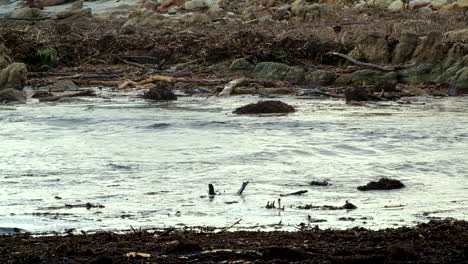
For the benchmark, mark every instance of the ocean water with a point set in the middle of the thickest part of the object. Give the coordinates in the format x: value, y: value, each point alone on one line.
x: 149, y: 164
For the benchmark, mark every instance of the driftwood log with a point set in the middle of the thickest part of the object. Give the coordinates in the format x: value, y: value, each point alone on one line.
x: 72, y: 94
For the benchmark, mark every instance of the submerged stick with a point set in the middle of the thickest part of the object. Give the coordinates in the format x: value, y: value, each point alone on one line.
x: 295, y: 193
x: 360, y: 63
x: 241, y: 190
x: 211, y: 189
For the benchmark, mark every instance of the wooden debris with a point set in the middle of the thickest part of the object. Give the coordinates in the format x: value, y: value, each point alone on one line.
x: 229, y: 88
x: 241, y: 190
x: 364, y: 64
x: 211, y: 189
x: 72, y: 94
x: 295, y: 193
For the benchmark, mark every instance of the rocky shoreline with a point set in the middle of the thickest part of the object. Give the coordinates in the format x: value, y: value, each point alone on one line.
x: 433, y: 242
x: 312, y: 49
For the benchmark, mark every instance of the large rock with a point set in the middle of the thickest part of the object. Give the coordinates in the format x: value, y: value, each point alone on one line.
x: 405, y: 48
x: 460, y: 5
x: 452, y: 69
x: 431, y: 49
x: 51, y: 2
x: 146, y: 19
x: 365, y: 77
x: 458, y: 50
x: 321, y: 77
x: 422, y: 72
x: 195, y: 5
x: 64, y: 85
x: 241, y: 65
x: 457, y: 35
x: 372, y: 47
x: 461, y: 78
x: 277, y: 71
x: 12, y: 95
x: 396, y: 5
x: 13, y: 76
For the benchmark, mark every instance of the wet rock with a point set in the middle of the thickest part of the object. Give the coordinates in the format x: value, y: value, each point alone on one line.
x: 12, y: 95
x: 322, y: 77
x: 161, y: 92
x: 145, y: 19
x: 372, y: 47
x: 65, y: 85
x: 359, y: 94
x: 431, y: 49
x: 404, y: 50
x: 27, y: 13
x: 417, y: 91
x: 241, y: 65
x: 150, y: 5
x: 349, y: 206
x: 319, y: 183
x: 277, y: 71
x: 75, y: 14
x: 382, y: 184
x: 13, y: 76
x: 264, y: 107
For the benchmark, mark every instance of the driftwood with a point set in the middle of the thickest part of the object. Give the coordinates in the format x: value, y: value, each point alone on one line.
x: 72, y: 94
x: 360, y: 63
x: 169, y: 79
x: 294, y: 193
x: 241, y: 190
x: 229, y: 88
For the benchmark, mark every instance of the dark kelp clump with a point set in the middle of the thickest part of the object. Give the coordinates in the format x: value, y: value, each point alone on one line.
x: 382, y: 184
x: 265, y: 107
x: 160, y: 92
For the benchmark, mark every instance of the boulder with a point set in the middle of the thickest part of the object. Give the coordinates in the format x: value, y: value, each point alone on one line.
x: 461, y: 78
x: 321, y: 77
x: 431, y: 49
x: 382, y: 184
x: 12, y: 95
x: 265, y: 107
x: 277, y: 71
x: 417, y: 4
x: 150, y: 5
x: 372, y: 47
x: 461, y: 5
x: 452, y: 69
x: 198, y: 18
x: 146, y: 19
x: 365, y: 77
x: 418, y: 74
x: 241, y: 65
x: 27, y: 13
x: 404, y: 50
x: 160, y: 92
x: 457, y: 35
x: 359, y: 94
x: 13, y: 76
x: 382, y: 3
x: 396, y: 5
x: 307, y: 12
x: 458, y: 50
x: 438, y: 4
x: 65, y: 85
x: 195, y: 5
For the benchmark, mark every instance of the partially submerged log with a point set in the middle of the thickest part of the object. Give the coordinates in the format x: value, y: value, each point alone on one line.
x: 241, y: 190
x: 229, y: 88
x: 72, y: 94
x: 265, y: 107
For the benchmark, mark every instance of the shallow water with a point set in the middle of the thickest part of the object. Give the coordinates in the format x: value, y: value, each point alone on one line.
x: 150, y: 164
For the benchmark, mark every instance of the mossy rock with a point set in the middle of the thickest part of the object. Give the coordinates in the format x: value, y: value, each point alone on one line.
x: 265, y: 107
x: 277, y: 71
x: 364, y: 77
x: 322, y: 77
x: 13, y: 76
x: 5, y: 57
x: 241, y: 65
x: 461, y: 78
x: 12, y: 95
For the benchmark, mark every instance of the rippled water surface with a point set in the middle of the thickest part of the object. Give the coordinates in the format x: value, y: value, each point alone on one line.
x: 150, y: 164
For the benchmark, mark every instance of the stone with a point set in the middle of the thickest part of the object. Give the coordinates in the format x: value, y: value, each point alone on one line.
x: 160, y: 92
x: 75, y: 14
x: 396, y: 5
x: 12, y: 95
x: 457, y: 35
x: 452, y: 67
x: 322, y: 77
x: 265, y: 107
x: 404, y: 50
x: 241, y: 65
x: 461, y: 78
x: 382, y: 184
x: 458, y: 50
x: 365, y: 77
x: 146, y: 19
x: 382, y: 3
x: 418, y: 74
x: 13, y: 76
x: 27, y: 12
x: 425, y: 9
x: 438, y: 4
x: 417, y: 4
x: 431, y: 49
x: 372, y: 47
x: 77, y: 5
x: 344, y: 79
x: 416, y: 91
x: 460, y: 5
x: 65, y: 85
x: 198, y: 18
x: 149, y: 5
x: 307, y: 12
x: 277, y: 71
x: 195, y: 5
